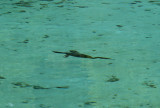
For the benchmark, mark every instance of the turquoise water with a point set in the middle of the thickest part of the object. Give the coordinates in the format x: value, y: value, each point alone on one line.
x: 33, y: 76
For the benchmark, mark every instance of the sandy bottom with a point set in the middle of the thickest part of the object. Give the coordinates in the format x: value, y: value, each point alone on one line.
x: 32, y: 76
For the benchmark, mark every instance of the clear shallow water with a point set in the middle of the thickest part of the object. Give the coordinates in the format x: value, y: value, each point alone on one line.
x: 32, y: 76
